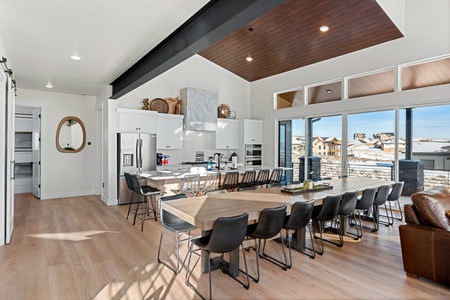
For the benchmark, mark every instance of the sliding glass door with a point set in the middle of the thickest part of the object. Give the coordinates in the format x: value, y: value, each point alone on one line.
x: 427, y: 147
x: 371, y: 145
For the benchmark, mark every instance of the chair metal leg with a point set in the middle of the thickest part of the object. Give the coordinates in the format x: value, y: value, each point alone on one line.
x: 257, y: 245
x: 136, y: 210
x: 144, y: 212
x: 401, y: 212
x: 189, y: 271
x: 208, y: 256
x: 131, y: 203
x: 390, y: 219
x: 341, y: 233
x: 321, y: 225
x: 178, y: 268
x: 152, y: 201
x: 358, y: 225
x: 282, y: 265
x: 312, y: 250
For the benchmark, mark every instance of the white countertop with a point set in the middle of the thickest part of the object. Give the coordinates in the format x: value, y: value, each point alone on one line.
x: 178, y: 171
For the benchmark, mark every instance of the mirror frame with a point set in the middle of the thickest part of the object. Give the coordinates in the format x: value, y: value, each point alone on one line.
x: 58, y: 131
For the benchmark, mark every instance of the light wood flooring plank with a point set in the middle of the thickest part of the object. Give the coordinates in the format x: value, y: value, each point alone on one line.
x: 79, y: 248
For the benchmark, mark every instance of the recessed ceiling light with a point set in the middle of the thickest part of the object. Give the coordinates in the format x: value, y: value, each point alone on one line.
x: 328, y: 91
x: 75, y: 57
x: 49, y: 85
x: 324, y: 28
x: 249, y: 58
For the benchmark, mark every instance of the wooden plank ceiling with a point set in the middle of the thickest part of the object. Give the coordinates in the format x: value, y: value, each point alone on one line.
x: 288, y: 37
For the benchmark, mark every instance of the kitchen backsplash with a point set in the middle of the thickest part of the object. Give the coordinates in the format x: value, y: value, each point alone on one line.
x: 194, y: 141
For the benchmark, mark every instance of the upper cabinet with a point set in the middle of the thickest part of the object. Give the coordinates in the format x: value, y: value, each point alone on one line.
x: 169, y: 131
x: 250, y: 131
x: 227, y: 134
x: 133, y: 120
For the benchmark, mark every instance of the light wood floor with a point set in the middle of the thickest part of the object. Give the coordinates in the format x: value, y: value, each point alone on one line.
x: 78, y: 248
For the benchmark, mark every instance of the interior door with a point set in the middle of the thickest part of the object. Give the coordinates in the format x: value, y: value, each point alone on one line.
x: 36, y: 149
x: 9, y: 209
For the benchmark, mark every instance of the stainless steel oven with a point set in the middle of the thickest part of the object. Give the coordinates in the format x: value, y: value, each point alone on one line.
x: 253, y: 155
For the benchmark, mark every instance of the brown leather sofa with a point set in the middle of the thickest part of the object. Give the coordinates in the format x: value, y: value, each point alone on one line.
x: 425, y: 239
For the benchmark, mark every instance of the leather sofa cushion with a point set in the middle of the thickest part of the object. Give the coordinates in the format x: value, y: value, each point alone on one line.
x: 431, y: 205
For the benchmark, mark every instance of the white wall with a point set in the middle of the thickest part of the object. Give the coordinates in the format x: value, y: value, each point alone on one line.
x: 395, y: 9
x: 63, y: 174
x: 427, y: 34
x: 196, y: 72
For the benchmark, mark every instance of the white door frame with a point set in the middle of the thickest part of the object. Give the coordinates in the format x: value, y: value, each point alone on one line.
x: 99, y: 150
x: 3, y: 162
x: 10, y: 161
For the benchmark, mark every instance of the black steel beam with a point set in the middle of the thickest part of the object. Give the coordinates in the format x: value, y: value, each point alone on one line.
x: 210, y: 24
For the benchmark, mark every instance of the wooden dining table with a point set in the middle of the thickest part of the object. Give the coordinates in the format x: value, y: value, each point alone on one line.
x: 203, y: 211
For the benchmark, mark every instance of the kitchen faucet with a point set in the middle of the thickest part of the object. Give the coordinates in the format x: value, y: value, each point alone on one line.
x: 219, y: 156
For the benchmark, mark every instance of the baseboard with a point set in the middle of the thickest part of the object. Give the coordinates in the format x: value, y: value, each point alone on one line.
x: 65, y: 195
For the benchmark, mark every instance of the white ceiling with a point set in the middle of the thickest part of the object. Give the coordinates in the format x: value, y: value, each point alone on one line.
x: 109, y: 35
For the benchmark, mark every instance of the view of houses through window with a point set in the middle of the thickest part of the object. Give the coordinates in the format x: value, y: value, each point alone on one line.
x: 423, y: 146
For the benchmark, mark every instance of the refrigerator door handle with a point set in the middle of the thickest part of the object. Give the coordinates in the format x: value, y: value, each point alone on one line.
x: 137, y: 154
x: 140, y: 154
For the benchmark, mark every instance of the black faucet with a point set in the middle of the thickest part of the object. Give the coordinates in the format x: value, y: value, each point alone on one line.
x: 219, y: 156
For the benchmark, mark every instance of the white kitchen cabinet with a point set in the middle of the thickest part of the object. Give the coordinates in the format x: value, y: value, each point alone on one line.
x: 250, y: 131
x: 133, y: 120
x: 227, y: 134
x: 169, y: 131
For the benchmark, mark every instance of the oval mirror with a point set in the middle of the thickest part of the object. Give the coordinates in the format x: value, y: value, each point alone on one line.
x: 71, y: 135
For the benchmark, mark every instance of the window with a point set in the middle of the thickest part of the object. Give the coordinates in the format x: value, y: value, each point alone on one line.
x: 372, y: 84
x: 426, y: 131
x: 325, y: 93
x: 426, y: 74
x: 327, y: 131
x: 290, y: 99
x: 371, y: 152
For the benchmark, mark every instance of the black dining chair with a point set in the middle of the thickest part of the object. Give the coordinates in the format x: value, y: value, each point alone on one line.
x: 230, y: 181
x: 145, y: 189
x: 227, y: 235
x: 263, y: 177
x: 346, y: 208
x: 177, y: 226
x: 394, y: 196
x: 269, y: 225
x: 149, y: 199
x: 275, y: 176
x: 363, y: 204
x: 299, y: 218
x: 380, y: 199
x: 326, y: 213
x: 248, y: 179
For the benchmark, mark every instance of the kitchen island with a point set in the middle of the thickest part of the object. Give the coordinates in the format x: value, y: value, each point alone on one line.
x: 170, y: 177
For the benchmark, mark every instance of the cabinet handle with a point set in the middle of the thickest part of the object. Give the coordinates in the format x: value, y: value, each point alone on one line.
x: 167, y: 146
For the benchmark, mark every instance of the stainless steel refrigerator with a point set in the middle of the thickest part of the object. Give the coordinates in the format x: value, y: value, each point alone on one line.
x: 136, y: 152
